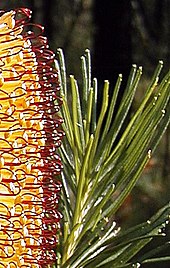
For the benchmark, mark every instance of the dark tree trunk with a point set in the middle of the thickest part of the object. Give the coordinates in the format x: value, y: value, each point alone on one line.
x: 48, y: 19
x: 112, y: 44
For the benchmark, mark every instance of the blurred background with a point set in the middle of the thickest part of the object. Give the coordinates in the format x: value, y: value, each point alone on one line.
x: 118, y: 34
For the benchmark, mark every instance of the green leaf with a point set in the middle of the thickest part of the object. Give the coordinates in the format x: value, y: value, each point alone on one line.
x: 100, y: 169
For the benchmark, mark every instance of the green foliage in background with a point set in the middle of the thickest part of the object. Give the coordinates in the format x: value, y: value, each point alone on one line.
x: 102, y: 161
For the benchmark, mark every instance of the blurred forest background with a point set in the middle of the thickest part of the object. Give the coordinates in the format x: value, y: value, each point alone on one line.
x: 118, y: 33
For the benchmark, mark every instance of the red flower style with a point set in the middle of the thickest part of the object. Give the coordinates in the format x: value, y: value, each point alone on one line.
x: 30, y: 133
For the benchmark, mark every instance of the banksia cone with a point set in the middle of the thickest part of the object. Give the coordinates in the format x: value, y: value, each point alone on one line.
x: 29, y: 135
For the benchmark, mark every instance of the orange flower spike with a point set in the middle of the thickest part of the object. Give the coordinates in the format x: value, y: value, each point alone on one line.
x: 29, y: 134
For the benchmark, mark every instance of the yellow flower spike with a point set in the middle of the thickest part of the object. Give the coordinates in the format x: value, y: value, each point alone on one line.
x: 29, y: 135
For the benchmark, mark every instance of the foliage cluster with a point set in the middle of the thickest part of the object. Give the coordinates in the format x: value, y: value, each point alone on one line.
x: 102, y: 162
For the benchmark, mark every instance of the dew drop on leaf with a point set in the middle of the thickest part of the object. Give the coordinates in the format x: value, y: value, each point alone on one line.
x: 163, y: 112
x: 136, y: 265
x: 149, y: 154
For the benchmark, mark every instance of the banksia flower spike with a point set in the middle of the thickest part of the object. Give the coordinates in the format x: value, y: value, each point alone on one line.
x: 29, y: 135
